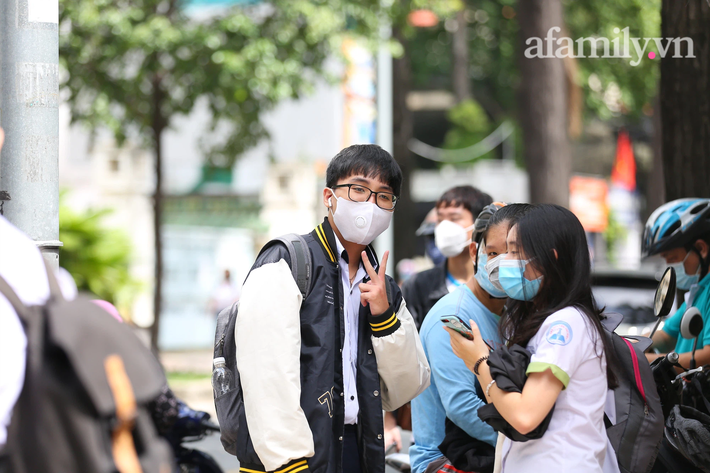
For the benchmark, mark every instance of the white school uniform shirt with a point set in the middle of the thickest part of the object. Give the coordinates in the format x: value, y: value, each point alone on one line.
x: 351, y: 308
x: 21, y: 265
x: 576, y: 438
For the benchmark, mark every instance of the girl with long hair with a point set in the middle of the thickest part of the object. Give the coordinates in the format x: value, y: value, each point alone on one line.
x: 551, y: 312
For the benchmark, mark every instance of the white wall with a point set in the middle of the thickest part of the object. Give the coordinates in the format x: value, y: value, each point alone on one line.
x: 501, y: 179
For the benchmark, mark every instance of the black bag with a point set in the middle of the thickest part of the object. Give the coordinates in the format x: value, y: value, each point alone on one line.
x: 637, y: 433
x: 465, y: 452
x: 230, y: 405
x: 508, y: 366
x: 88, y: 380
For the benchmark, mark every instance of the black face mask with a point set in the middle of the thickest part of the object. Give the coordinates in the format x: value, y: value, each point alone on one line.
x: 433, y: 252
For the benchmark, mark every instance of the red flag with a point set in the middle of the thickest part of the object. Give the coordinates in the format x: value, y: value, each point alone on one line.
x: 623, y: 174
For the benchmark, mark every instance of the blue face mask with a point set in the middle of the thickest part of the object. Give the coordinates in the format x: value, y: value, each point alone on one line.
x: 684, y: 280
x: 510, y: 276
x: 483, y: 279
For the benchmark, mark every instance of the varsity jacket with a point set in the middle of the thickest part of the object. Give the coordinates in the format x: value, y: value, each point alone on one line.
x: 289, y: 355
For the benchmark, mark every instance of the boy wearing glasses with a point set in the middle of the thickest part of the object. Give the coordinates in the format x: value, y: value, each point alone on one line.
x: 317, y: 373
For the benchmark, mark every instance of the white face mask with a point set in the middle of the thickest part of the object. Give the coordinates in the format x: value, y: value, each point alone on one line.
x: 360, y: 222
x: 492, y: 269
x: 450, y: 238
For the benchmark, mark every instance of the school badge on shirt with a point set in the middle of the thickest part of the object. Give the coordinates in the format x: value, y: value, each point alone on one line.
x: 559, y: 333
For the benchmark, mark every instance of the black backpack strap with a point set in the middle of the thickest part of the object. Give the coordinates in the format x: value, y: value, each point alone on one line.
x: 300, y: 255
x: 607, y: 422
x: 54, y: 290
x: 17, y: 304
x: 301, y: 265
x: 12, y: 297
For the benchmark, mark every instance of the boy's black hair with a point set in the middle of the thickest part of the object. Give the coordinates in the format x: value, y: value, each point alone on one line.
x: 370, y: 161
x: 469, y: 197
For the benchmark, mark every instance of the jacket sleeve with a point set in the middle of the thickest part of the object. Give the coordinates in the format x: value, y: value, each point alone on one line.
x: 268, y: 339
x: 401, y: 362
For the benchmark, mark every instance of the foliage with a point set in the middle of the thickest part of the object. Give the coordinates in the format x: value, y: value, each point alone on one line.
x: 470, y: 124
x: 185, y: 377
x: 133, y: 65
x: 612, y: 87
x: 96, y: 256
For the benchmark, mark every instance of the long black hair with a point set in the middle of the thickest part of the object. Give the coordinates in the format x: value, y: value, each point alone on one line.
x: 554, y: 242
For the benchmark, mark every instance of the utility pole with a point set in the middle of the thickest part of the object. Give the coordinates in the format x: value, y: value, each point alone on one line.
x: 385, y: 242
x: 29, y: 113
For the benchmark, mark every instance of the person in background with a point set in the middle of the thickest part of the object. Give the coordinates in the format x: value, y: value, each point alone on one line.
x: 224, y: 295
x: 453, y: 393
x: 679, y: 231
x: 455, y: 210
x: 426, y: 230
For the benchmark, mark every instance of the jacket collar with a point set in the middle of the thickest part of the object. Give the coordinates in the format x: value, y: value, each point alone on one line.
x: 325, y: 236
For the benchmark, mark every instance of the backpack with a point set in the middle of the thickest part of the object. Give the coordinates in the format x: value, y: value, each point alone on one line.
x: 230, y: 405
x: 638, y: 430
x: 88, y: 379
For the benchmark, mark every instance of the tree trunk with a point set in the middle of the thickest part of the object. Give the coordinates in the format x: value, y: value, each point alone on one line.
x: 655, y: 192
x: 685, y: 99
x: 543, y: 106
x: 461, y: 81
x: 405, y: 225
x: 158, y: 126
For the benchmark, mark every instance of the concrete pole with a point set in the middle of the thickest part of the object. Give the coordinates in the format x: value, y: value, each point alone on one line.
x: 385, y: 242
x: 29, y: 113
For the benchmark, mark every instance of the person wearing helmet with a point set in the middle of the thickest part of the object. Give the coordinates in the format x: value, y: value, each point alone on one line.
x: 453, y: 392
x: 679, y: 232
x: 455, y: 212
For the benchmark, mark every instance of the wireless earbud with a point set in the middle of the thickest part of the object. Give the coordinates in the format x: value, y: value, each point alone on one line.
x: 329, y: 202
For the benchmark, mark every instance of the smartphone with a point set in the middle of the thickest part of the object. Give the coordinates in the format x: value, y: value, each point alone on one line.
x: 456, y: 324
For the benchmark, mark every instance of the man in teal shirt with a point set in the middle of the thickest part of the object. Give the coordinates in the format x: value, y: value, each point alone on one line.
x: 679, y: 232
x: 452, y: 392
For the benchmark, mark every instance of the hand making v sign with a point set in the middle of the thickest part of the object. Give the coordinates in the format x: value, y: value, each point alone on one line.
x: 374, y: 292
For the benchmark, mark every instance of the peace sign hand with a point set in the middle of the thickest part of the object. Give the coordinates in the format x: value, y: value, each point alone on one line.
x: 374, y: 292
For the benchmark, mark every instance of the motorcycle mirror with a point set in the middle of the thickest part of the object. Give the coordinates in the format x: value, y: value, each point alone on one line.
x: 690, y: 327
x: 665, y: 295
x: 691, y: 324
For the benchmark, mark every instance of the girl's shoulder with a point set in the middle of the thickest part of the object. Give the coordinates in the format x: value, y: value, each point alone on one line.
x: 562, y: 326
x: 571, y: 315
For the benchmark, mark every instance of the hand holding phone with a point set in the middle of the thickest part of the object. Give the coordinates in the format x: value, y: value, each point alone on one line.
x: 456, y: 324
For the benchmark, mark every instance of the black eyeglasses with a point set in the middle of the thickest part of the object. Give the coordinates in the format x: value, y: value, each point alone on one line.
x: 359, y: 193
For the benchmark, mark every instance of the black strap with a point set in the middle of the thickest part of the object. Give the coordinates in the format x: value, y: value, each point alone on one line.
x: 17, y: 304
x: 389, y: 294
x: 695, y: 382
x: 12, y: 297
x: 607, y: 422
x: 54, y: 290
x: 301, y: 266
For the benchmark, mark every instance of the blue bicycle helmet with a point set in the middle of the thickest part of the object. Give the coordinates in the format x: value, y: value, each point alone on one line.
x: 676, y: 224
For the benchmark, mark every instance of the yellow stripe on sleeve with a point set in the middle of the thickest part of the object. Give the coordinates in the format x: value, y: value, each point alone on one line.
x: 384, y: 328
x: 290, y: 469
x: 394, y: 316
